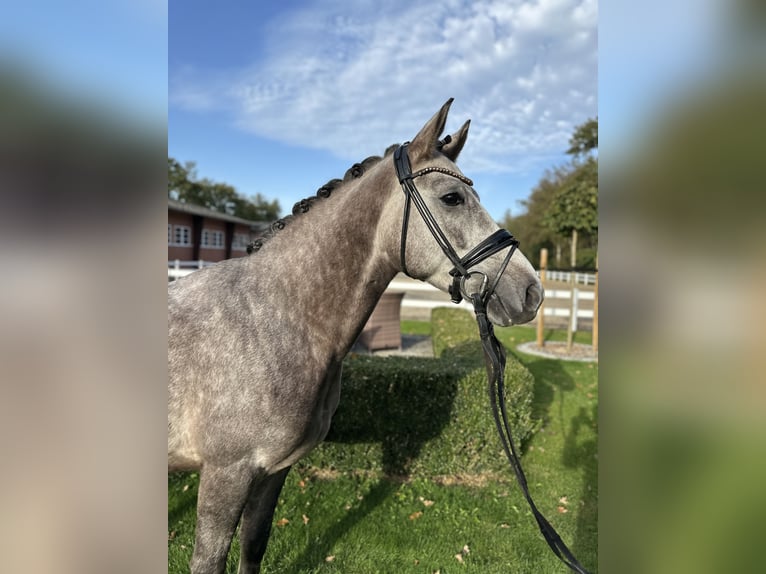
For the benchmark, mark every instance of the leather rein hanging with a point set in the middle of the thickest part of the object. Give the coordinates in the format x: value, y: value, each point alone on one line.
x: 494, y: 352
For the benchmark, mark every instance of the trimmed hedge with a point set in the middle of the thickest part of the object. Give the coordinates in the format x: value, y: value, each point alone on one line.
x: 455, y: 334
x: 425, y: 416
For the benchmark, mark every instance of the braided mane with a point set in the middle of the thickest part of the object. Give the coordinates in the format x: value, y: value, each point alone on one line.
x: 354, y: 172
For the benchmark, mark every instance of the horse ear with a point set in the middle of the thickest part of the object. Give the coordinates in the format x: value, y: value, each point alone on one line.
x: 453, y: 147
x: 423, y: 145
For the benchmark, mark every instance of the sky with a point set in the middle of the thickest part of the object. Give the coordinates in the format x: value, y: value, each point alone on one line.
x: 277, y: 98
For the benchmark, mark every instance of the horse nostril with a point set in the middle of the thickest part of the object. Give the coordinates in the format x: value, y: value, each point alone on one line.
x: 535, y: 296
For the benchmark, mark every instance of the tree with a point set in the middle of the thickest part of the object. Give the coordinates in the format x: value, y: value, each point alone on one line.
x: 531, y: 227
x: 184, y: 186
x: 180, y: 178
x: 585, y: 138
x: 574, y: 209
x: 575, y: 206
x: 257, y: 208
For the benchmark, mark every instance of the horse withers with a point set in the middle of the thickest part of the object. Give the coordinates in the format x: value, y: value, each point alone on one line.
x: 256, y: 343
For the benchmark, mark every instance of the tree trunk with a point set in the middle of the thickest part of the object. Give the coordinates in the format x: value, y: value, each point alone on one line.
x: 541, y: 311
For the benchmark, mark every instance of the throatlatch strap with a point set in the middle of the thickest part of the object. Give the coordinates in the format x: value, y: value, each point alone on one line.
x: 494, y: 359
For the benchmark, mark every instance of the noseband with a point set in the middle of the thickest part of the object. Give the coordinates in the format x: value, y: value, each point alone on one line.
x: 494, y: 352
x: 496, y: 242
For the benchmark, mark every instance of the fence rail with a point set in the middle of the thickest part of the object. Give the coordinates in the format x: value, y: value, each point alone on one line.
x: 566, y: 276
x: 416, y: 291
x: 179, y: 268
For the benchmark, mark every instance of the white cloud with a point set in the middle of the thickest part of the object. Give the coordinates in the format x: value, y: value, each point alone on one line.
x: 355, y: 77
x: 187, y: 92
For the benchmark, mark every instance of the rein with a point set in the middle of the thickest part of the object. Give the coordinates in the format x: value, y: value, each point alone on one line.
x: 494, y: 353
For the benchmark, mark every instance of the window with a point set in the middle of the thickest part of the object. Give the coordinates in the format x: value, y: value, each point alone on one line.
x: 240, y: 242
x: 170, y: 234
x: 212, y: 239
x: 181, y: 235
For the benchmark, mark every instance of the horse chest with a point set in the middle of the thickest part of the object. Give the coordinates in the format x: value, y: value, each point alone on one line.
x: 328, y: 401
x: 319, y: 419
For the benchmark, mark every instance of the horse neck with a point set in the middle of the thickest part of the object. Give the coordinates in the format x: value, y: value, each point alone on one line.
x: 328, y: 268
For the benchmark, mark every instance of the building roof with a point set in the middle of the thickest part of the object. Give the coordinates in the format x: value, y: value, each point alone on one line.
x: 212, y: 214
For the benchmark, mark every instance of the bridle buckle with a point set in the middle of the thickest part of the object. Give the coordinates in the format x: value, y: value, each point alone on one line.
x: 480, y: 293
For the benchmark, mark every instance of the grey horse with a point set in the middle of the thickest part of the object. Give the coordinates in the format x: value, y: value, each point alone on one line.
x: 256, y: 343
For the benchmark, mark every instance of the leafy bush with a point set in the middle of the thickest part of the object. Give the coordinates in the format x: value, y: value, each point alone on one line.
x: 425, y: 416
x: 586, y: 258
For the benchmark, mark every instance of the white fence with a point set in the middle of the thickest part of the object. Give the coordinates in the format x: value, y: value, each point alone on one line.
x: 416, y: 290
x: 565, y: 277
x: 579, y: 295
x: 178, y: 268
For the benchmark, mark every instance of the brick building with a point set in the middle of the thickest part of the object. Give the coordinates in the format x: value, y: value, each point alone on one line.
x: 196, y: 233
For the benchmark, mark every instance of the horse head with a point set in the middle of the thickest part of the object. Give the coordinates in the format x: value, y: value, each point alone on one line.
x: 439, y: 235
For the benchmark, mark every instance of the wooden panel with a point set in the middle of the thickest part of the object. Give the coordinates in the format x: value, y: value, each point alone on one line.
x: 383, y: 330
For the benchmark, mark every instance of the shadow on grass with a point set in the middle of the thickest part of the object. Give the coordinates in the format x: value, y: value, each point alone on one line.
x: 315, y: 553
x: 551, y: 379
x: 396, y: 404
x: 583, y: 455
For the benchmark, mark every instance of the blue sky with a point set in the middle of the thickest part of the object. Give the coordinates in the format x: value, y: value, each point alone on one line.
x: 277, y: 98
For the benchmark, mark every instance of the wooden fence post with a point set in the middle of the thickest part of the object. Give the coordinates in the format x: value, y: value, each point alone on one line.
x: 595, y: 312
x: 541, y: 310
x: 572, y: 302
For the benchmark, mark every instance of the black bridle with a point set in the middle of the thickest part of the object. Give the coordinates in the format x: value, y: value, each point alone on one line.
x: 498, y: 241
x: 494, y: 352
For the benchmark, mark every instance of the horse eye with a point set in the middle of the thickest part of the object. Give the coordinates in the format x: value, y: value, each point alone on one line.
x: 452, y: 199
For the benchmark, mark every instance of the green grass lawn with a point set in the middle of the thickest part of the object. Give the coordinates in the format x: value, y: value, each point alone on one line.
x: 416, y: 328
x: 363, y: 522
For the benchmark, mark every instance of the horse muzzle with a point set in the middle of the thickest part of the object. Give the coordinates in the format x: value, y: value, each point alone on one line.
x: 517, y: 307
